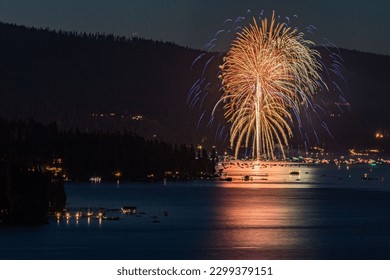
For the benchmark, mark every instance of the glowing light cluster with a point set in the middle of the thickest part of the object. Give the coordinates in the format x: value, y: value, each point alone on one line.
x: 268, y: 75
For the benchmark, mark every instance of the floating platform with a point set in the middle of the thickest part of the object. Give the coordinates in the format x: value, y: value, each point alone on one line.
x: 261, y: 171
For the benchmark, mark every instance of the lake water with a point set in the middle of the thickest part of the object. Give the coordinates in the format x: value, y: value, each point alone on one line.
x: 333, y: 215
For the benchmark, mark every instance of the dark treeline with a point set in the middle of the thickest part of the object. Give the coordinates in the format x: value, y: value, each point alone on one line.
x: 82, y: 155
x: 74, y: 35
x: 28, y: 195
x: 67, y: 76
x: 36, y: 158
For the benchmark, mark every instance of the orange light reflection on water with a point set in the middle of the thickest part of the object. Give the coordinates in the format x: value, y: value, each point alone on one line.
x: 241, y: 171
x: 265, y: 221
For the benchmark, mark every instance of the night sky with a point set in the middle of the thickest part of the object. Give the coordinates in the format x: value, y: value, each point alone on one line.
x: 352, y: 24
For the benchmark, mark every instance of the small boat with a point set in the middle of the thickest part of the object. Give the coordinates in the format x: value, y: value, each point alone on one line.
x: 294, y: 172
x: 247, y: 178
x: 227, y: 179
x: 95, y: 179
x: 89, y: 214
x: 78, y: 215
x: 129, y: 209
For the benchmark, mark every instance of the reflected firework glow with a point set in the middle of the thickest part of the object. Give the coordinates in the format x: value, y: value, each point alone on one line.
x: 261, y: 225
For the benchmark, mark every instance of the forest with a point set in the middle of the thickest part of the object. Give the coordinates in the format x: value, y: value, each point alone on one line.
x: 36, y: 159
x: 99, y: 82
x: 81, y: 155
x: 28, y: 195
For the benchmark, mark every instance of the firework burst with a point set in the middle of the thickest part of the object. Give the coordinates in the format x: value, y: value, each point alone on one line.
x: 269, y: 73
x: 269, y: 82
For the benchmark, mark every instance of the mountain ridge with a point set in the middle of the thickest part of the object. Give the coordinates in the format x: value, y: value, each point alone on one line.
x: 97, y: 81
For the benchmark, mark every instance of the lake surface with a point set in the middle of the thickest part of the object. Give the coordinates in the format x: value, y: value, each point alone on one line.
x: 333, y: 215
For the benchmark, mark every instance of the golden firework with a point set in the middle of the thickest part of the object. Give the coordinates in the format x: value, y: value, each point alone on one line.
x: 269, y: 73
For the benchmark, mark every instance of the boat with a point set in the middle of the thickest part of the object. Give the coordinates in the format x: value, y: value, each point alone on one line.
x: 129, y: 209
x: 89, y: 214
x: 227, y: 179
x: 95, y: 179
x: 247, y: 178
x: 78, y: 214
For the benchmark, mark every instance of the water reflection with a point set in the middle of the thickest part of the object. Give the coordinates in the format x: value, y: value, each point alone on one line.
x: 258, y: 220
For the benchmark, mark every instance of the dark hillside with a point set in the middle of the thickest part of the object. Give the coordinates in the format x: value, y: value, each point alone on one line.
x: 99, y: 82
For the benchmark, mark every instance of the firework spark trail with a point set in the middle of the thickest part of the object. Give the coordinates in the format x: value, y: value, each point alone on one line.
x: 193, y: 89
x: 200, y: 119
x: 269, y: 71
x: 196, y: 60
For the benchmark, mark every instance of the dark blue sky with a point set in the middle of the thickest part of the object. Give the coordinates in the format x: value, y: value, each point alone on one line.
x: 353, y: 24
